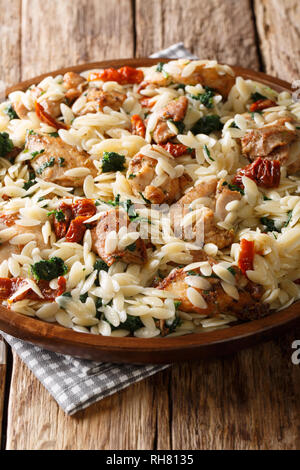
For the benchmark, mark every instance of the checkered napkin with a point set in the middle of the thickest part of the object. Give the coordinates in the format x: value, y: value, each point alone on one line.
x: 74, y: 383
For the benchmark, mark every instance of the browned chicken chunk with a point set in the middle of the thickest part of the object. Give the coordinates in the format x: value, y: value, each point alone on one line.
x: 205, y: 76
x: 7, y: 248
x: 52, y: 158
x: 114, y: 99
x: 74, y: 84
x: 51, y: 106
x: 175, y: 111
x: 224, y: 195
x: 217, y: 301
x: 113, y: 220
x: 205, y: 229
x: 141, y: 172
x: 271, y: 142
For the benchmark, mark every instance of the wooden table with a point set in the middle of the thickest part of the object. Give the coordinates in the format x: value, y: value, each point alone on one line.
x: 246, y: 401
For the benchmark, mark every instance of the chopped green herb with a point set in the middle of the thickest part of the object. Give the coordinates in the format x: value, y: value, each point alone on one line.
x: 159, y: 67
x: 179, y: 124
x: 207, y: 124
x: 31, y: 181
x: 233, y: 187
x: 59, y: 215
x: 100, y: 265
x: 132, y: 323
x: 61, y: 161
x: 54, y: 134
x: 31, y: 132
x: 269, y: 224
x: 11, y: 113
x: 45, y: 165
x: 233, y: 125
x: 172, y: 325
x: 112, y: 161
x: 146, y: 200
x: 265, y: 198
x: 180, y: 86
x: 231, y: 270
x: 205, y: 98
x: 36, y: 153
x: 257, y: 96
x: 131, y: 176
x: 6, y: 145
x: 49, y: 269
x: 290, y: 213
x: 83, y: 297
x: 177, y: 304
x: 208, y: 153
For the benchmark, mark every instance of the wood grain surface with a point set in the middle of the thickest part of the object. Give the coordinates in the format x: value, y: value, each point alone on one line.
x: 2, y: 380
x: 214, y: 29
x: 246, y: 401
x: 278, y: 27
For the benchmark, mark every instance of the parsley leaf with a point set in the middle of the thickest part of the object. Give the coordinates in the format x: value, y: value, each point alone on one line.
x: 207, y: 124
x: 45, y: 165
x: 6, y: 145
x: 49, y: 269
x: 112, y: 161
x: 11, y: 113
x: 258, y: 96
x: 59, y: 215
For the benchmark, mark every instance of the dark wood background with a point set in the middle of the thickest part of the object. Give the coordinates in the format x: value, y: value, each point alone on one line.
x: 246, y: 401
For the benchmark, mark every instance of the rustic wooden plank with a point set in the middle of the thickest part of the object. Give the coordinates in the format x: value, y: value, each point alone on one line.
x: 10, y: 73
x: 278, y: 29
x: 2, y: 380
x: 10, y: 54
x: 246, y: 401
x: 126, y: 420
x: 215, y: 29
x: 91, y: 30
x: 61, y: 33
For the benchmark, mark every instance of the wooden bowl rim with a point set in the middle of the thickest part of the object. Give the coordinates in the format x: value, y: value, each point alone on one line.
x: 153, y: 350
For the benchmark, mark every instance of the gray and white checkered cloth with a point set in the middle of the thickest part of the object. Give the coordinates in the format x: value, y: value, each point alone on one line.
x: 74, y: 383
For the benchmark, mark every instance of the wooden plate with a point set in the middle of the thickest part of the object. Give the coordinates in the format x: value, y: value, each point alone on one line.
x: 155, y: 350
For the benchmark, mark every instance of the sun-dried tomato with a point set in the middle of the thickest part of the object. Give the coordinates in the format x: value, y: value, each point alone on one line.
x: 137, y: 126
x: 176, y: 150
x: 45, y: 117
x: 259, y: 105
x: 61, y: 226
x: 9, y: 286
x: 84, y: 207
x: 61, y: 282
x: 246, y: 256
x: 131, y: 75
x: 265, y: 173
x: 124, y: 75
x: 76, y: 230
